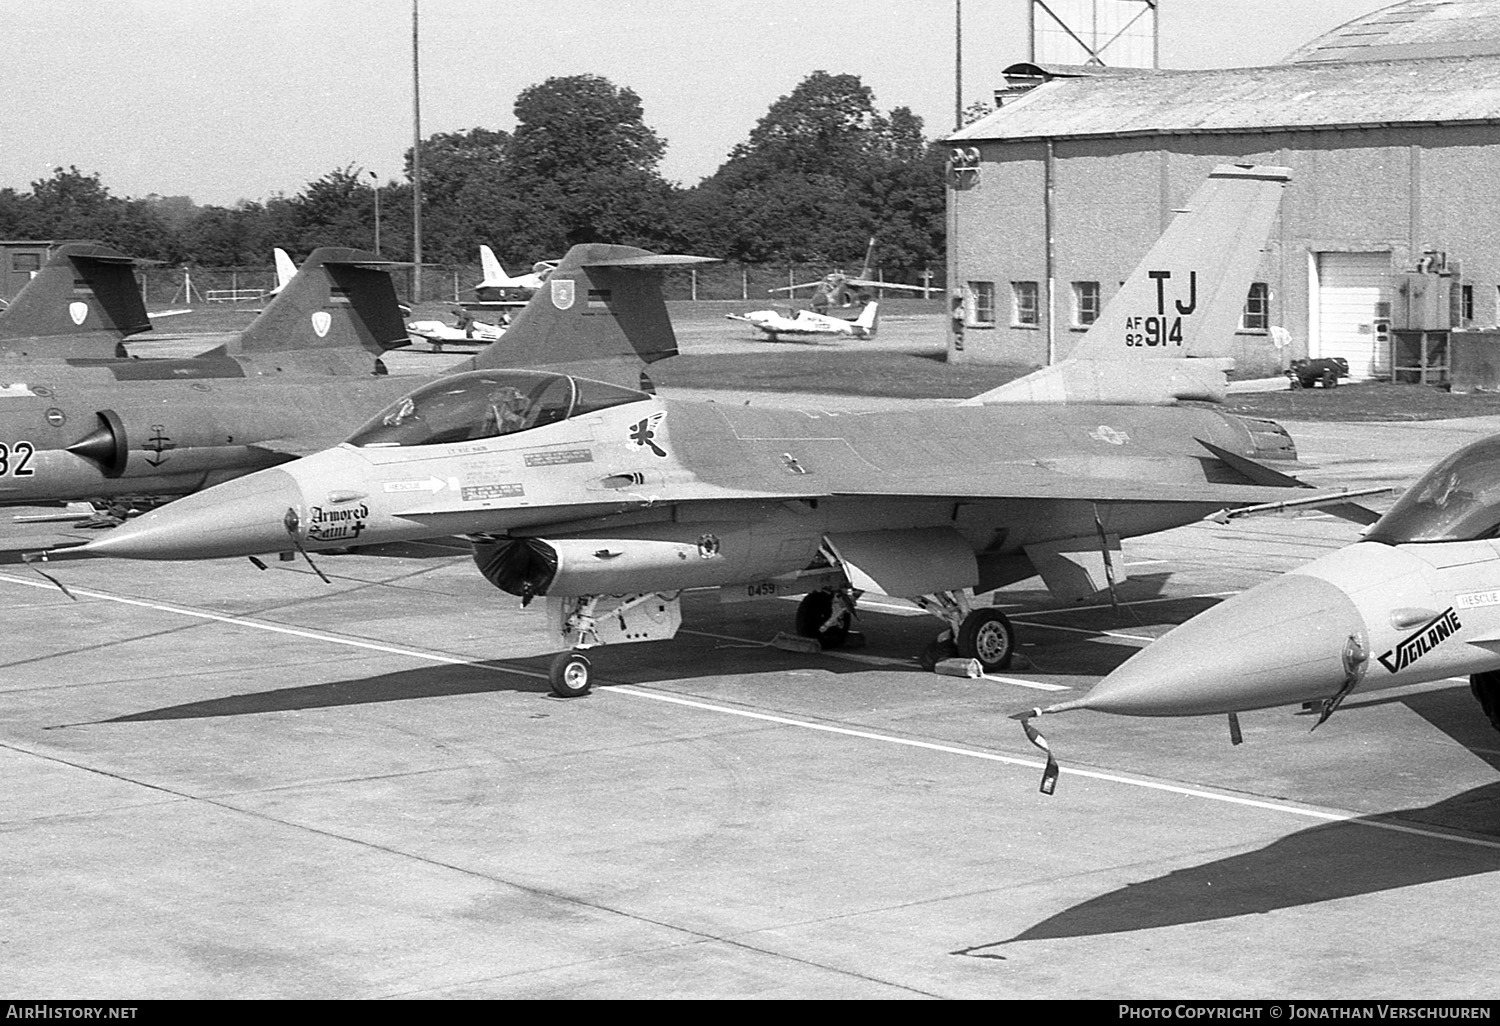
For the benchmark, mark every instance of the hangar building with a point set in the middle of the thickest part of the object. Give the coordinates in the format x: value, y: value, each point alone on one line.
x: 1389, y: 234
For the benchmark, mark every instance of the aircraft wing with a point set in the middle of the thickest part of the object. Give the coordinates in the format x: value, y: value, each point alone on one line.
x: 870, y: 283
x: 794, y: 288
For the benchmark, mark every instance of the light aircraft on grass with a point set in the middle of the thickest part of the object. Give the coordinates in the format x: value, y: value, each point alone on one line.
x: 467, y: 331
x: 1417, y: 599
x: 806, y: 323
x: 606, y: 502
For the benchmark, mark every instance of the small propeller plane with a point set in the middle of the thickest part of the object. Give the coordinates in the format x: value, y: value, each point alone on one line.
x: 606, y: 502
x: 840, y: 289
x: 467, y: 331
x: 806, y: 323
x: 1417, y: 599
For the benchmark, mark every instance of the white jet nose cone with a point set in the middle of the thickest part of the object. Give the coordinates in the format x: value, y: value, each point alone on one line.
x: 1282, y: 642
x: 243, y: 517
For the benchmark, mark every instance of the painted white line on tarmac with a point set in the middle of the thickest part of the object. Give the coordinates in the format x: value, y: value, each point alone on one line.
x: 1306, y: 812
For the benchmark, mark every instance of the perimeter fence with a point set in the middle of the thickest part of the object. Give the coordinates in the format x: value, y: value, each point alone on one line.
x: 178, y: 286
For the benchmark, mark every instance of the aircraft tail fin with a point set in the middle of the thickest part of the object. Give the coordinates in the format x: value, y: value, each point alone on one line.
x: 1165, y: 335
x: 286, y: 270
x: 80, y: 304
x: 494, y: 273
x: 868, y: 318
x: 600, y: 314
x: 869, y: 268
x: 340, y: 299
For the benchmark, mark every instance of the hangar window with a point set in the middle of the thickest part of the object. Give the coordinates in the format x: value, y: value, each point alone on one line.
x: 26, y: 262
x: 1465, y: 306
x: 981, y: 303
x: 1025, y: 310
x: 1257, y: 313
x: 1085, y: 303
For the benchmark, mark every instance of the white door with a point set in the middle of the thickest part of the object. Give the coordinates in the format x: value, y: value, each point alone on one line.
x: 1354, y: 292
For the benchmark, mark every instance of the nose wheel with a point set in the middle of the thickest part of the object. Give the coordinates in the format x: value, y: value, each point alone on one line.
x: 570, y: 675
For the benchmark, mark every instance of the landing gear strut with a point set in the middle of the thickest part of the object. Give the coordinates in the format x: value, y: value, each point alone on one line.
x: 982, y: 634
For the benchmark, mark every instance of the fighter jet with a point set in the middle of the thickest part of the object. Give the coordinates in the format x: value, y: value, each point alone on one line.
x: 1416, y: 599
x: 840, y: 289
x: 607, y: 502
x: 805, y: 323
x: 105, y: 430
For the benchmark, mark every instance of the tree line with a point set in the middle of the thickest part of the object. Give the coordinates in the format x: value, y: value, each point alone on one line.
x: 818, y: 175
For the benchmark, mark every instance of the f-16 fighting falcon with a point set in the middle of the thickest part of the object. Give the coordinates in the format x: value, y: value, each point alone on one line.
x: 606, y: 502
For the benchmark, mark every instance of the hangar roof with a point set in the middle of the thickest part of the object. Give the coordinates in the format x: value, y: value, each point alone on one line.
x: 1417, y: 28
x: 1335, y: 94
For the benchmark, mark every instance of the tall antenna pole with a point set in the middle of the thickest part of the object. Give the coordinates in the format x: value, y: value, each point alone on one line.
x: 416, y: 163
x: 958, y: 63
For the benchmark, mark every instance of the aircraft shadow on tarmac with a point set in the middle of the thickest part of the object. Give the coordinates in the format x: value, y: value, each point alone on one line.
x: 441, y: 681
x: 1360, y: 856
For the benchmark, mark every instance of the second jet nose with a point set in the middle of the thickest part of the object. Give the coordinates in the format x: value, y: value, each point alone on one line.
x: 1293, y: 639
x: 246, y: 516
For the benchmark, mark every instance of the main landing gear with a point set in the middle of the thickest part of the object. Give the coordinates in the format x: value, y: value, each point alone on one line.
x: 827, y: 616
x: 983, y: 634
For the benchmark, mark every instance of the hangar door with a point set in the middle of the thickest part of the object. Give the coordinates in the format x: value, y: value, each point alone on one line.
x: 1354, y: 292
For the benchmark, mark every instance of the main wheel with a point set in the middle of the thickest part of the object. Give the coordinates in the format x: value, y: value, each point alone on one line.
x: 1486, y: 688
x: 986, y: 635
x: 569, y: 675
x: 813, y: 612
x: 1330, y: 379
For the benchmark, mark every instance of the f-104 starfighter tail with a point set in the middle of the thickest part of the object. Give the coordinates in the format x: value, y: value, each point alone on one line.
x: 600, y: 313
x: 341, y: 300
x: 80, y: 304
x: 1165, y: 335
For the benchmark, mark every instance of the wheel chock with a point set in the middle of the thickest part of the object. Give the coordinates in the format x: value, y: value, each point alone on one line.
x: 795, y: 643
x: 969, y: 668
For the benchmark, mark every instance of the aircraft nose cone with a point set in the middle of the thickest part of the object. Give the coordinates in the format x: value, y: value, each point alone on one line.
x: 242, y: 517
x: 1282, y: 642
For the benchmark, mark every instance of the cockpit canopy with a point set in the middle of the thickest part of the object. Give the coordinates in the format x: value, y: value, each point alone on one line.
x: 486, y: 404
x: 1457, y: 500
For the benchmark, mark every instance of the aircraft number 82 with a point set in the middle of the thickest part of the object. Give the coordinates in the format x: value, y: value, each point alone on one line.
x: 1153, y: 331
x: 14, y: 459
